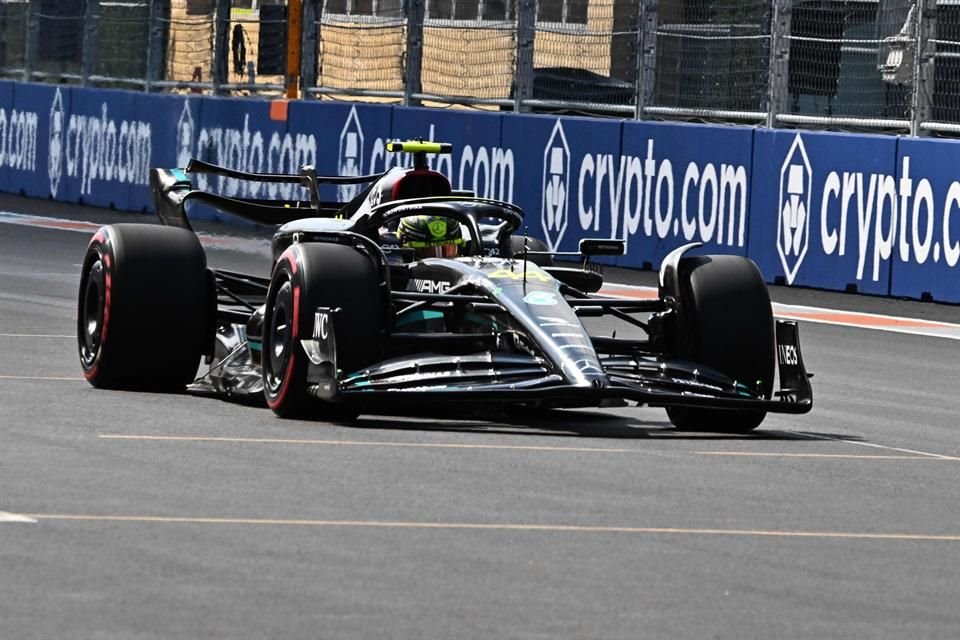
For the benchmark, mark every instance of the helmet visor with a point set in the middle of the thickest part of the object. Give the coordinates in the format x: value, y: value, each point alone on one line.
x: 438, y: 251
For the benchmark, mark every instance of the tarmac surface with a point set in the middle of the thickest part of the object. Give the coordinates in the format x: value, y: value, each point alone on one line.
x: 137, y: 515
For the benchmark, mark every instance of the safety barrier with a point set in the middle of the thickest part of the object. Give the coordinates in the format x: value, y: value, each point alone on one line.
x: 875, y: 214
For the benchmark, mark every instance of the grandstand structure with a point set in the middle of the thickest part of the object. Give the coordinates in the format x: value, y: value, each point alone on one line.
x: 883, y: 65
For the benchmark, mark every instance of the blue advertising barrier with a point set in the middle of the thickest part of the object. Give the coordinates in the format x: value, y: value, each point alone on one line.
x: 106, y: 149
x: 926, y: 253
x: 479, y: 162
x: 17, y: 143
x: 248, y: 135
x: 557, y: 179
x: 173, y: 122
x: 823, y: 209
x: 350, y: 140
x: 681, y: 183
x: 826, y: 210
x: 39, y: 173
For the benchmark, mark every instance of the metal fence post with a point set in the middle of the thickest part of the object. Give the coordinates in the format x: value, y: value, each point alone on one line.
x: 308, y: 45
x: 526, y: 34
x: 157, y: 41
x: 91, y: 41
x: 416, y: 15
x: 221, y: 45
x: 779, y: 61
x: 646, y: 55
x: 921, y: 99
x: 32, y: 44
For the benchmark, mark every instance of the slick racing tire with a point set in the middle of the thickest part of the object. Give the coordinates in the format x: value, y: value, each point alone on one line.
x: 307, y: 276
x: 728, y: 321
x: 143, y: 309
x: 533, y: 244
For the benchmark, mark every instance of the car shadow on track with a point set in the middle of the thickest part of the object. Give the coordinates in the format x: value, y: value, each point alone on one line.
x: 562, y: 423
x: 573, y: 423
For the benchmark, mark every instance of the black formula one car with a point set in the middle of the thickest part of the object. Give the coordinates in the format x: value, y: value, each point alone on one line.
x: 353, y: 320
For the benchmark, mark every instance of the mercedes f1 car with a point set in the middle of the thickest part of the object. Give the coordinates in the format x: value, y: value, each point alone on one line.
x: 353, y: 320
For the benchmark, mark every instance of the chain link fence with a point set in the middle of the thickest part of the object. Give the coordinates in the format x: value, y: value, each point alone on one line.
x: 888, y: 65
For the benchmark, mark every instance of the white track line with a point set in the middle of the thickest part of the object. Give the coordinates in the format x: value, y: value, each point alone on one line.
x: 355, y: 443
x: 914, y: 455
x: 836, y: 317
x: 15, y: 517
x: 484, y: 526
x: 256, y: 246
x: 927, y: 454
x: 53, y: 378
x: 822, y: 456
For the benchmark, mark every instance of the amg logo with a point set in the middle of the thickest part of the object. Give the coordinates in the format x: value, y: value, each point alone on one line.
x: 430, y: 286
x: 788, y: 354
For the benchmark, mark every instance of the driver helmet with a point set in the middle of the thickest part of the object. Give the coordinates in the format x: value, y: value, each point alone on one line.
x: 430, y: 236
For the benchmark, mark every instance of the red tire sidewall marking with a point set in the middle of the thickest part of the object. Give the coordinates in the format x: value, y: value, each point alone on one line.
x: 107, y: 296
x: 99, y: 240
x: 289, y: 257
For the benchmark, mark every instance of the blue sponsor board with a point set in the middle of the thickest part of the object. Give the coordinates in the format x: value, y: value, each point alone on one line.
x: 654, y: 185
x: 246, y: 135
x: 174, y: 124
x: 17, y: 146
x: 824, y: 209
x: 558, y: 183
x: 6, y: 95
x: 479, y: 162
x: 926, y: 234
x: 350, y: 140
x: 106, y: 150
x: 678, y: 183
x: 39, y: 170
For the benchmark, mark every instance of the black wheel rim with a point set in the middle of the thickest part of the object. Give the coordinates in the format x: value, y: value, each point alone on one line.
x: 280, y: 346
x: 90, y: 316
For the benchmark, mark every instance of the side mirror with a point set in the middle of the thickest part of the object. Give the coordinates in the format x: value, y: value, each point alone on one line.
x: 600, y: 247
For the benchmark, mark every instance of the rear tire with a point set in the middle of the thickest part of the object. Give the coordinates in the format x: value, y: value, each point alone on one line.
x: 143, y: 307
x: 729, y: 323
x: 305, y: 277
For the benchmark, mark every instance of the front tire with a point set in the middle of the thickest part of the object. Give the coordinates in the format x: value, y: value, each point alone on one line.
x: 307, y: 276
x: 143, y: 308
x: 728, y: 323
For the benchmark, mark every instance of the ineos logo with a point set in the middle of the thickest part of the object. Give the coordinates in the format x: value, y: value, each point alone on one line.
x: 788, y: 354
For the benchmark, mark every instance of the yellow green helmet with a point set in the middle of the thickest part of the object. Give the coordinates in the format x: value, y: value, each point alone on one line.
x: 431, y: 236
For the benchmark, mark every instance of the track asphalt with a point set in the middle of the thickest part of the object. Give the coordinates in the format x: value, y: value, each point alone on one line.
x: 128, y: 515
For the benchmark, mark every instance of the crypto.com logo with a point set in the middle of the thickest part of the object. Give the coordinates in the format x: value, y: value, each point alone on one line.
x: 556, y: 181
x: 350, y: 159
x: 793, y: 221
x: 185, y: 135
x: 55, y: 153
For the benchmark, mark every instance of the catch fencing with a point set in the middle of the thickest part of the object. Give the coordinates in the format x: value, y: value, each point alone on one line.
x: 878, y: 65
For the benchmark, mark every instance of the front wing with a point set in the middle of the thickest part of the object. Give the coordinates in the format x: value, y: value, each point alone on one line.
x: 516, y: 378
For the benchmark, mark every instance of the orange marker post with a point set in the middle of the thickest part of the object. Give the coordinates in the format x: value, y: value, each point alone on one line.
x: 294, y: 30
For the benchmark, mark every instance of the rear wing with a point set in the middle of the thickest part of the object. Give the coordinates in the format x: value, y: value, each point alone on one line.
x: 172, y: 189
